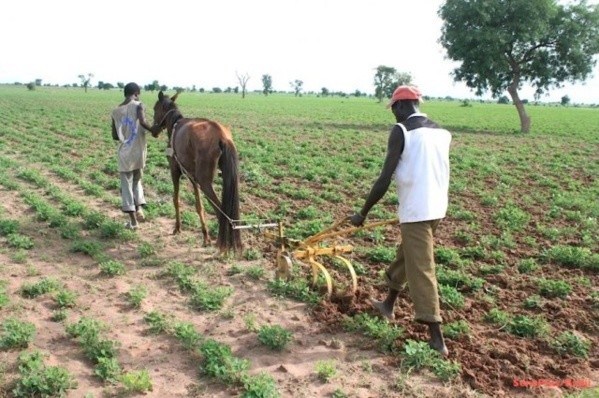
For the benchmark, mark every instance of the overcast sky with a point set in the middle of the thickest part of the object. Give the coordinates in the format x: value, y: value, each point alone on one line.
x: 325, y: 43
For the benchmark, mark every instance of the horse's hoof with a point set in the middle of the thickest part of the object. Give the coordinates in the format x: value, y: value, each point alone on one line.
x: 176, y: 231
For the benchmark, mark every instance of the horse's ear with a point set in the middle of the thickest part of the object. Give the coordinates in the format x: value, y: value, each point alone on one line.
x: 160, y: 95
x: 174, y: 97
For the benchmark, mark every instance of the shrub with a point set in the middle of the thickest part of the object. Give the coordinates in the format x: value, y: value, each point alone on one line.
x: 112, y: 268
x: 261, y: 385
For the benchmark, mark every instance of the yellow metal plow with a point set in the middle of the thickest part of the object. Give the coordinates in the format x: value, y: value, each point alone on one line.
x: 315, y: 246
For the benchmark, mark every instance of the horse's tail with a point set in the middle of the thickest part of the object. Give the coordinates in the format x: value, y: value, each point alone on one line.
x: 229, y: 238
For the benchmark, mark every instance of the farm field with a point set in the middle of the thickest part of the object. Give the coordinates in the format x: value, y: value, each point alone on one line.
x: 115, y: 312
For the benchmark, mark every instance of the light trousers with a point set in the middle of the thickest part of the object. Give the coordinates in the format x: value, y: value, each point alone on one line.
x: 132, y: 192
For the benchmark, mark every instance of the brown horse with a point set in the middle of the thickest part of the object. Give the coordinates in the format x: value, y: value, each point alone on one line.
x: 195, y: 148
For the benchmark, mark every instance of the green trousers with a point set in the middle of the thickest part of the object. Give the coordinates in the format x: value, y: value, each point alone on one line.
x: 414, y: 264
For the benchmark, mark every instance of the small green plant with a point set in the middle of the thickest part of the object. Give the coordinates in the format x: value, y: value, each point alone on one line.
x: 527, y: 266
x: 451, y: 297
x: 136, y: 381
x: 250, y: 322
x: 261, y: 385
x: 446, y: 370
x: 65, y: 298
x: 275, y: 337
x: 524, y: 326
x: 252, y: 254
x: 59, y: 315
x: 326, y: 370
x: 235, y: 269
x: 338, y: 393
x: 380, y: 330
x: 136, y: 295
x: 532, y: 302
x: 381, y: 254
x: 8, y: 227
x: 45, y: 285
x: 19, y: 241
x: 219, y: 362
x: 89, y: 247
x: 157, y: 321
x: 146, y: 250
x: 3, y: 295
x: 16, y: 334
x: 297, y: 289
x: 209, y: 299
x: 571, y: 343
x: 112, y: 268
x: 255, y: 272
x: 108, y: 369
x: 187, y: 334
x: 497, y: 317
x: 418, y: 354
x: 38, y: 380
x: 554, y: 288
x: 456, y: 330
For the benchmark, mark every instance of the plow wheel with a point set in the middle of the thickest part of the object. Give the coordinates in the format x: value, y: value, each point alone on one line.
x: 284, y: 265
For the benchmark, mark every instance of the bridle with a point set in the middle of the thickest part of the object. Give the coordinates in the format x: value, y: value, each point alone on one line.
x: 164, y: 118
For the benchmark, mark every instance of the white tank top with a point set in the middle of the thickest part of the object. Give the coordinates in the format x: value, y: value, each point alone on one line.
x: 422, y: 174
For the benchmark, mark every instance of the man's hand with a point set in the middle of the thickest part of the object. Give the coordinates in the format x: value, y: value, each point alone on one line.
x: 155, y: 130
x: 357, y: 220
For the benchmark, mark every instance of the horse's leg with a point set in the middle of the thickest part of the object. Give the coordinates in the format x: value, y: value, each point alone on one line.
x: 176, y: 177
x: 201, y: 213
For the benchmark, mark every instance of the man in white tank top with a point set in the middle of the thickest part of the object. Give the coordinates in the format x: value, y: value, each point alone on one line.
x: 129, y: 127
x: 418, y: 156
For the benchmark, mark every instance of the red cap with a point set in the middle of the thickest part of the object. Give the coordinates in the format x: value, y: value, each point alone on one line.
x: 405, y: 93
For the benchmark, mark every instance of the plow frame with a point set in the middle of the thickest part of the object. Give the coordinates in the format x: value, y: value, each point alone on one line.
x: 309, y: 249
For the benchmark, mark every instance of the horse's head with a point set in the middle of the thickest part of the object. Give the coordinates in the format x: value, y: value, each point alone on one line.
x: 164, y: 107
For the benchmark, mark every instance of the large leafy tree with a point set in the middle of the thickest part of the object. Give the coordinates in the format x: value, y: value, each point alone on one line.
x: 503, y: 44
x: 386, y: 79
